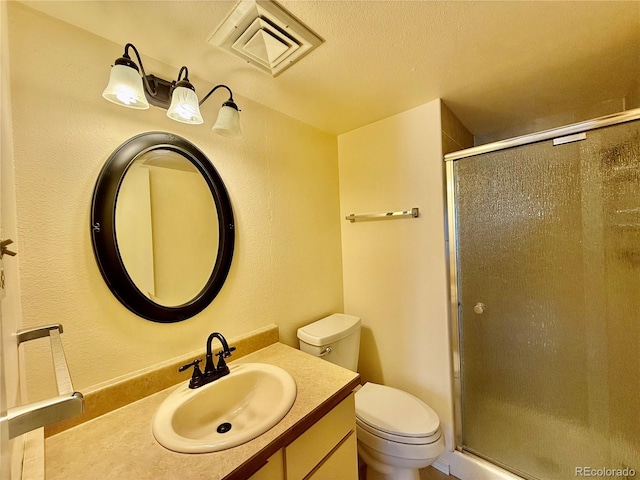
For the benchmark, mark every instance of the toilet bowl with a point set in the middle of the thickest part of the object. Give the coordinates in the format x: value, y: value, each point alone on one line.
x: 397, y: 433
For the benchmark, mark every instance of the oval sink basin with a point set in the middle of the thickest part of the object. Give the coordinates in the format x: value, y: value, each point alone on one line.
x: 226, y: 412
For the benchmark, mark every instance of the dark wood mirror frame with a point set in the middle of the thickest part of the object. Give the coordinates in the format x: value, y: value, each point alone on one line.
x: 103, y: 231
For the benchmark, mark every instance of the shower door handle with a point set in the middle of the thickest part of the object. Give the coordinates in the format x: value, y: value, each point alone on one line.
x: 479, y: 308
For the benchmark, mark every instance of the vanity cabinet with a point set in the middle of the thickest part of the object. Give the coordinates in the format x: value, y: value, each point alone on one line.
x: 327, y: 450
x: 315, y: 440
x: 341, y: 463
x: 273, y: 470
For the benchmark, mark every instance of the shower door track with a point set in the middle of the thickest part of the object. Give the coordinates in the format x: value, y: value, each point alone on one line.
x: 450, y: 158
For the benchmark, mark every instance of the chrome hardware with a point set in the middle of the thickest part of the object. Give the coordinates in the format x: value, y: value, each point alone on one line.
x: 27, y: 335
x: 67, y: 404
x: 479, y: 308
x: 414, y: 212
x: 326, y: 351
x: 569, y: 138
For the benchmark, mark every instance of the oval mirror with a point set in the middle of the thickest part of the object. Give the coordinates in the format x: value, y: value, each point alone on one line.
x: 162, y: 227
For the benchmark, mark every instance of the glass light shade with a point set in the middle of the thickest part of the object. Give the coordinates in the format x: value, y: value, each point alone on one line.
x: 125, y: 88
x: 184, y: 106
x: 228, y: 123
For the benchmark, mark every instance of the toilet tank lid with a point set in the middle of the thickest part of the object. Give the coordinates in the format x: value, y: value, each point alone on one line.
x: 329, y: 329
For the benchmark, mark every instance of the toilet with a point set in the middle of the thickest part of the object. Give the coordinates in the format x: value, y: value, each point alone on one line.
x: 397, y: 433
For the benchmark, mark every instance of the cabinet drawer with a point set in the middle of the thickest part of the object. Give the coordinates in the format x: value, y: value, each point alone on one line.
x: 342, y: 463
x: 310, y: 448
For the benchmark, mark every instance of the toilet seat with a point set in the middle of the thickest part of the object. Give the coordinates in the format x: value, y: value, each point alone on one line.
x: 394, y: 415
x: 400, y: 439
x: 401, y: 450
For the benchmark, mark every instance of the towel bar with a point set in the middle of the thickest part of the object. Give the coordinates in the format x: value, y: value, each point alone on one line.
x: 67, y: 404
x: 414, y: 212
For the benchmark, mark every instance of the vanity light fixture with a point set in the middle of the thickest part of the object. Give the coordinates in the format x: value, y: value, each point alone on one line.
x: 130, y: 89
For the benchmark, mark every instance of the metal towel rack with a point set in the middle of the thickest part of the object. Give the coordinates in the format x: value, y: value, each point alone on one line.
x: 67, y: 404
x: 414, y: 212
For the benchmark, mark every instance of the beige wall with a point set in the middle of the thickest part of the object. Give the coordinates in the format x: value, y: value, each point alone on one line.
x: 282, y: 179
x: 455, y: 135
x: 395, y: 275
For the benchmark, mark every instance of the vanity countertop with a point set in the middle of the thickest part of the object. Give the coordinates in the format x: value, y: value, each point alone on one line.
x: 120, y: 445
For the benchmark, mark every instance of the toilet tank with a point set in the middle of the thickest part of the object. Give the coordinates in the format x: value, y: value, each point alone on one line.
x: 335, y: 338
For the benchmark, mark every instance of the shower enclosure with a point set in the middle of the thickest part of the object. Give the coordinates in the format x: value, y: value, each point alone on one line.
x: 544, y: 239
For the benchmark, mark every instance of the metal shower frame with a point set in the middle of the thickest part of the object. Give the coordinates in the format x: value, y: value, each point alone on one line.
x: 559, y: 135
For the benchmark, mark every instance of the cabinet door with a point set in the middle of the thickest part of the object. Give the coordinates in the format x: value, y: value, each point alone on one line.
x: 273, y: 470
x: 342, y: 463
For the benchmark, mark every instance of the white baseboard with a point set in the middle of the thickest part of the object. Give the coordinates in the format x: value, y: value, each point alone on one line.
x: 441, y: 465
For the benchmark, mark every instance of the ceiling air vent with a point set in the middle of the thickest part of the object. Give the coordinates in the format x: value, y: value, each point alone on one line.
x: 262, y: 33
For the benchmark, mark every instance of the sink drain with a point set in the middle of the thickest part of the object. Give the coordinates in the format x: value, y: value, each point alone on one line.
x: 224, y: 427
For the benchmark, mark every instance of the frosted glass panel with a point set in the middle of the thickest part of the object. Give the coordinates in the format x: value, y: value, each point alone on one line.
x: 548, y: 253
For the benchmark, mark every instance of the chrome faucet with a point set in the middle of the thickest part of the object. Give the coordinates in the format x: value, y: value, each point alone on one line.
x: 211, y: 371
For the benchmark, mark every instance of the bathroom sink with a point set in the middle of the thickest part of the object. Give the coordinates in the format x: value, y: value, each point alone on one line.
x: 232, y: 410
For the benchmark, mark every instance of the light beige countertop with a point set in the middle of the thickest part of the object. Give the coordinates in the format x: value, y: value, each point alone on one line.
x: 120, y: 445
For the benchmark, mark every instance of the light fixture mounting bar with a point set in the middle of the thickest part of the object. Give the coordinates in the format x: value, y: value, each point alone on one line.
x: 163, y: 89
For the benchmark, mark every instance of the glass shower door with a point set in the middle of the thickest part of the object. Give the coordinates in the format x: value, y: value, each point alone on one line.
x: 548, y: 269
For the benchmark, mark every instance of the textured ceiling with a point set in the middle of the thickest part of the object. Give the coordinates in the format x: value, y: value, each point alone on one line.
x: 496, y: 64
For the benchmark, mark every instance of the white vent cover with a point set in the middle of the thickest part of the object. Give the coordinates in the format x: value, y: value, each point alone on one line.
x: 262, y: 33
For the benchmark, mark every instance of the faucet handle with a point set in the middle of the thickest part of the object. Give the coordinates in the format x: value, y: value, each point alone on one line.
x: 192, y: 364
x: 222, y: 367
x: 225, y: 353
x: 196, y: 377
